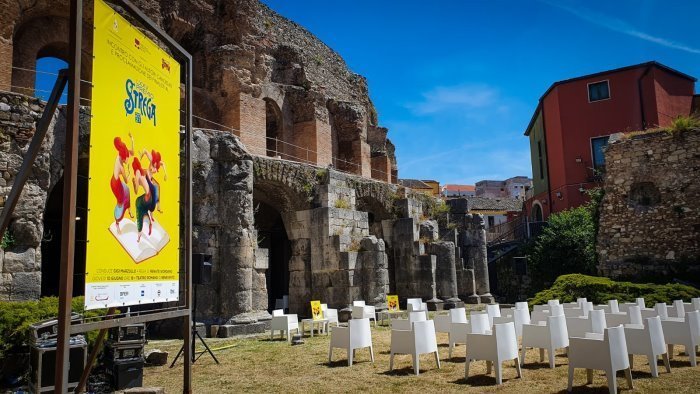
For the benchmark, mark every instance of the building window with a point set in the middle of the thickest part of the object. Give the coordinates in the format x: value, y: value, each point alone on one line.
x: 491, y: 221
x: 598, y: 91
x: 597, y: 145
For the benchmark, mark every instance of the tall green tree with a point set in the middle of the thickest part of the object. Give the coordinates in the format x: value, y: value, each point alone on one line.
x: 566, y: 245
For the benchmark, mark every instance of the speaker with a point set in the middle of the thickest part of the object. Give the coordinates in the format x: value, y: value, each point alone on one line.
x: 201, y: 269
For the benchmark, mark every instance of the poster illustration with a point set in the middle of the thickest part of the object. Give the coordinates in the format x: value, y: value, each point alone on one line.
x: 392, y: 303
x: 133, y: 197
x: 316, y: 312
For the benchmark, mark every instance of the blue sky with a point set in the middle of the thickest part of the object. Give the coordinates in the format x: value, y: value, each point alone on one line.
x: 456, y: 82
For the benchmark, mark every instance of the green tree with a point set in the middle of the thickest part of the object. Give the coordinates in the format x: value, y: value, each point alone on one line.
x: 566, y: 245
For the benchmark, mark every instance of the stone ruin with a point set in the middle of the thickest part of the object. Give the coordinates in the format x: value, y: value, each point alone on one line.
x: 649, y: 221
x: 294, y: 182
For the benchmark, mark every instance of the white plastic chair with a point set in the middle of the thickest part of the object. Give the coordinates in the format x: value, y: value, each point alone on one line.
x: 493, y: 310
x: 609, y: 354
x: 519, y: 317
x: 647, y: 340
x: 541, y: 316
x: 406, y: 324
x: 478, y: 324
x: 684, y: 332
x: 550, y: 337
x: 283, y: 323
x: 417, y: 305
x: 282, y: 303
x: 662, y: 311
x: 677, y: 310
x: 580, y: 309
x: 330, y: 314
x: 443, y: 323
x: 498, y: 346
x: 521, y: 305
x: 357, y: 335
x: 579, y: 326
x: 695, y: 302
x: 364, y: 312
x: 419, y: 340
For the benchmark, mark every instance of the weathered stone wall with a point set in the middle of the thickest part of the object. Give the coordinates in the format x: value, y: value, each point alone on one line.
x: 20, y: 258
x: 650, y: 215
x: 245, y: 57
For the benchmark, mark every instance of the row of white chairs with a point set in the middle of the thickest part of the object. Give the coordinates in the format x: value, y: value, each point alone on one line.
x: 594, y: 337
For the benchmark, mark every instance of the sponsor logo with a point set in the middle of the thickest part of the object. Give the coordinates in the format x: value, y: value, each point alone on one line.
x: 101, y: 297
x: 123, y: 293
x: 143, y: 293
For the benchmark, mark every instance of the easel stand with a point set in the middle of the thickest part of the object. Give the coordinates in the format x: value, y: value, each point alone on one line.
x: 195, y: 334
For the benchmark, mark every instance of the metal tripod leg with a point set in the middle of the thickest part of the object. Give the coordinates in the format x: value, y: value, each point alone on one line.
x: 205, y: 347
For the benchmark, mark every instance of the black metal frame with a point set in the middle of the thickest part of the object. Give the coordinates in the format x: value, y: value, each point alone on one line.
x: 72, y: 77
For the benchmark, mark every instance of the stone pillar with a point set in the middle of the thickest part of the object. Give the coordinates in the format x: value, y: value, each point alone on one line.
x: 475, y: 240
x: 374, y: 273
x: 300, y: 275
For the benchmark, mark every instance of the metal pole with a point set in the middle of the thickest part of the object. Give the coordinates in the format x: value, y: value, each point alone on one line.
x: 187, y: 320
x: 70, y: 175
x: 33, y: 150
x: 93, y: 354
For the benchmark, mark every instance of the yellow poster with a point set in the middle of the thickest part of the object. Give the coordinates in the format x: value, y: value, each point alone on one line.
x: 134, y: 186
x: 316, y: 312
x: 392, y: 303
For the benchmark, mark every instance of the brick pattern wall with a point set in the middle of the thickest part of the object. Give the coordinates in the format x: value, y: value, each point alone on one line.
x: 252, y: 124
x: 650, y: 218
x: 5, y: 64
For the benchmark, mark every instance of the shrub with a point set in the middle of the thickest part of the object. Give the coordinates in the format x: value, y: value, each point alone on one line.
x: 685, y: 123
x: 17, y: 316
x: 566, y: 245
x: 342, y: 203
x: 567, y: 288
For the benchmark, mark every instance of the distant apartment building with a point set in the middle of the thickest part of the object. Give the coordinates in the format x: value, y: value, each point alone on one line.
x: 452, y: 191
x: 429, y: 187
x: 515, y: 187
x: 495, y: 210
x: 574, y: 119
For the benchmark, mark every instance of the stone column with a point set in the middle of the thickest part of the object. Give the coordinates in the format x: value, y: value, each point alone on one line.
x: 475, y: 238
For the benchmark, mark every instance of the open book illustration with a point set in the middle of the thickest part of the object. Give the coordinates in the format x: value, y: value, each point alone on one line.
x: 147, y: 247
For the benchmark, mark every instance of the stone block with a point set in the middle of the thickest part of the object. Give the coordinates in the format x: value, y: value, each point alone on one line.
x: 156, y: 357
x: 232, y: 330
x: 262, y: 259
x: 24, y: 261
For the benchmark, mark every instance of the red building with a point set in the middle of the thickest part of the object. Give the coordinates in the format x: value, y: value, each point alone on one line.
x: 575, y: 117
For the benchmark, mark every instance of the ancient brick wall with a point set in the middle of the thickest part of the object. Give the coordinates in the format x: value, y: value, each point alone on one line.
x: 650, y: 215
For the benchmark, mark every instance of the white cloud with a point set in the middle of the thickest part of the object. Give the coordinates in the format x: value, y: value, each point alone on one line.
x: 620, y: 26
x: 459, y: 97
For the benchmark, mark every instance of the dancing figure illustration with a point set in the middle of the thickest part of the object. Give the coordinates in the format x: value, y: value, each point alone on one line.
x: 120, y: 180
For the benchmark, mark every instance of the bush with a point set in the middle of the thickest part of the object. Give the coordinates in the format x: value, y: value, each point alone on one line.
x: 17, y: 316
x: 566, y: 245
x: 567, y: 288
x: 685, y: 123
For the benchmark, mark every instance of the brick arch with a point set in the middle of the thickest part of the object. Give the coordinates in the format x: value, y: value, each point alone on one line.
x: 287, y: 186
x: 39, y: 37
x: 377, y: 196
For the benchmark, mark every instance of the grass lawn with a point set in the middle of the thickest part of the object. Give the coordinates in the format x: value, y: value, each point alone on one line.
x: 257, y: 364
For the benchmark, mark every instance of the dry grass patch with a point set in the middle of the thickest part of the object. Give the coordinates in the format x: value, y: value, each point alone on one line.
x: 260, y: 365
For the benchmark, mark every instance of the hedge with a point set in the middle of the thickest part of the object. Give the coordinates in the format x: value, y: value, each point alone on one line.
x: 567, y: 288
x: 17, y: 316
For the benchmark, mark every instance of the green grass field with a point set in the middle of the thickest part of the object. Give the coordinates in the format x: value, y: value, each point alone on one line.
x: 257, y: 364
